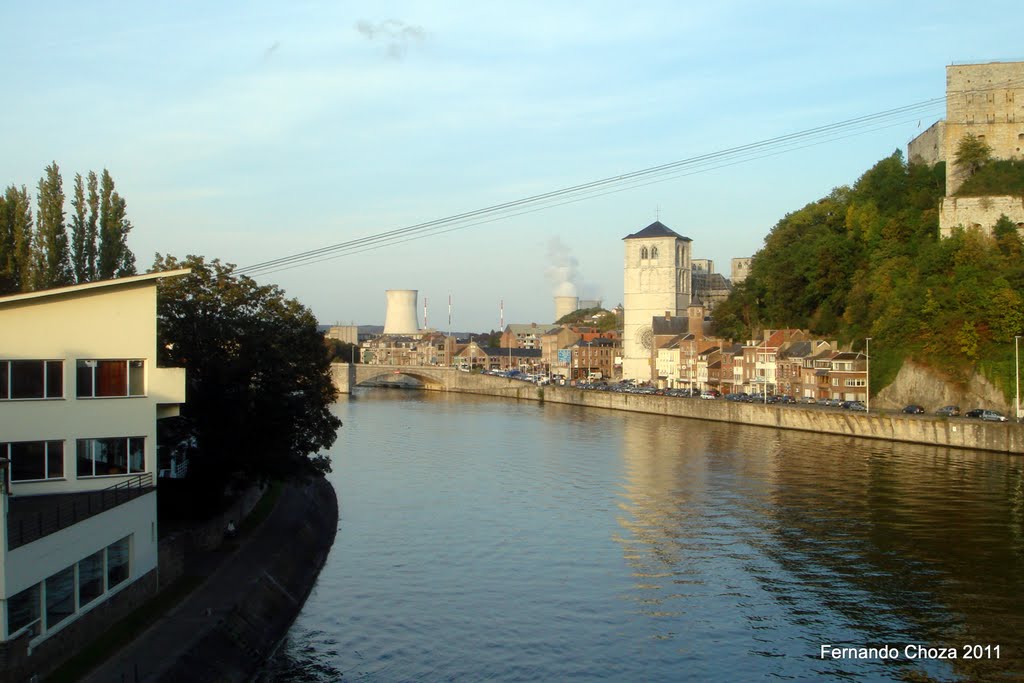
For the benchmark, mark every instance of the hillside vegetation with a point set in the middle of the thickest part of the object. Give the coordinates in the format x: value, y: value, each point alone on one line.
x: 867, y: 261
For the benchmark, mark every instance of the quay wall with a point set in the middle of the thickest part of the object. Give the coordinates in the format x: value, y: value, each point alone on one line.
x: 1006, y: 437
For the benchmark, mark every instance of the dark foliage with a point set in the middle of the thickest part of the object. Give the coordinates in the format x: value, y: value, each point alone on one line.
x: 258, y: 375
x: 867, y: 261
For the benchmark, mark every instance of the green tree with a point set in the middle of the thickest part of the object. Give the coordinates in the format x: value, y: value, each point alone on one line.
x: 259, y: 382
x: 342, y: 352
x: 115, y: 259
x: 15, y: 241
x: 51, y: 258
x: 972, y: 153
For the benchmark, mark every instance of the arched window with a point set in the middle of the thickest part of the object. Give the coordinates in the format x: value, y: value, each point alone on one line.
x: 643, y: 253
x: 654, y: 252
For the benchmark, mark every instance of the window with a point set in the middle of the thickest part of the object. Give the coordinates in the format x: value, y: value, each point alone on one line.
x: 60, y: 596
x: 117, y: 455
x: 34, y: 460
x: 118, y: 562
x: 856, y: 383
x: 654, y: 252
x: 643, y: 253
x: 22, y: 609
x: 20, y: 379
x: 90, y: 578
x: 106, y: 378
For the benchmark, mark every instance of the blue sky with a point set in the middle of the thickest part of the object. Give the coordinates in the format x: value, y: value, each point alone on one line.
x: 249, y: 131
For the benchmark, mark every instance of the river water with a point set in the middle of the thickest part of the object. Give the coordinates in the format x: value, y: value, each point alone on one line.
x: 489, y: 540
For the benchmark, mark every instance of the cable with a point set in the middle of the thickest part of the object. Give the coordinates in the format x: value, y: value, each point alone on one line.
x: 604, y: 186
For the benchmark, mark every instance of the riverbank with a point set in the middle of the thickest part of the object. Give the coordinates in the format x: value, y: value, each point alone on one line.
x: 1002, y: 437
x: 228, y: 626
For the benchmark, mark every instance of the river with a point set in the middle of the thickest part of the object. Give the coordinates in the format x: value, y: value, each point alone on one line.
x: 487, y: 539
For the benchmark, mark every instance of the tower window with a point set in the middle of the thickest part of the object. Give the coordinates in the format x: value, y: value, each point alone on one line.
x: 643, y: 253
x: 654, y: 252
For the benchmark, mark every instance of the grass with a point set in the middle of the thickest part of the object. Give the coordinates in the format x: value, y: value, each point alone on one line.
x: 262, y: 508
x: 123, y: 632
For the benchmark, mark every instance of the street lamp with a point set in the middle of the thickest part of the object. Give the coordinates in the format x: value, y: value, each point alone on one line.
x: 867, y: 375
x: 1016, y: 369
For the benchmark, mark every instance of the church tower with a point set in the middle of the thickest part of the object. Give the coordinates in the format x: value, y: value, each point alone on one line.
x: 657, y: 282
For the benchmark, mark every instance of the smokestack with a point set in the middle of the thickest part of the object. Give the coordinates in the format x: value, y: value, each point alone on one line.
x: 564, y: 305
x: 401, y: 311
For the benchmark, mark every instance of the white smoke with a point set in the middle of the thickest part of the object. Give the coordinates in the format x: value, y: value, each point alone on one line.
x: 563, y: 268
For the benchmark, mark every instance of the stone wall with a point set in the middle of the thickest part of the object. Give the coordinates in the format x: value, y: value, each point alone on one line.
x: 1006, y: 437
x: 930, y: 146
x: 241, y: 641
x: 979, y: 212
x: 988, y: 101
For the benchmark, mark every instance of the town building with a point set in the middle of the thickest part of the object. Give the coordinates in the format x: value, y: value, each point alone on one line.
x: 80, y: 394
x: 739, y: 269
x: 656, y: 283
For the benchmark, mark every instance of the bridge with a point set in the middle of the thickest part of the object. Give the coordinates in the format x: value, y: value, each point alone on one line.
x: 347, y: 376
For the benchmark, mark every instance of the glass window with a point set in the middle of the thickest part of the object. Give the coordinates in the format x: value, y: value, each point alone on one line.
x: 118, y: 562
x: 136, y: 378
x: 60, y: 596
x: 90, y: 578
x: 22, y: 609
x: 54, y: 379
x: 31, y: 460
x: 117, y: 455
x: 31, y: 379
x: 27, y: 379
x: 107, y: 378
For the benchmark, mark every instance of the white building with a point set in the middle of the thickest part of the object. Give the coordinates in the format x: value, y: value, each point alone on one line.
x: 657, y: 283
x: 80, y: 394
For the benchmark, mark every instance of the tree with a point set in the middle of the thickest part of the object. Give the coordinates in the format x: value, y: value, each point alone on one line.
x: 50, y: 255
x: 972, y: 153
x: 259, y: 385
x: 115, y: 259
x: 15, y: 241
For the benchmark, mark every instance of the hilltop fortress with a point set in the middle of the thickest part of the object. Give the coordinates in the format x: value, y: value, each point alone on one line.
x: 988, y: 101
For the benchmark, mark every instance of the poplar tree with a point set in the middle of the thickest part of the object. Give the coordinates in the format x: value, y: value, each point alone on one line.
x: 15, y: 241
x: 79, y: 231
x: 50, y: 255
x: 115, y: 259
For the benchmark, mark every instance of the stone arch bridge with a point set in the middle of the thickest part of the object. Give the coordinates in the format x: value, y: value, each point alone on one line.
x: 347, y: 376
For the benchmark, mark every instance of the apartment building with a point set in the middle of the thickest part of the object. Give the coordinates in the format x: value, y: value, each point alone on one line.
x: 80, y: 394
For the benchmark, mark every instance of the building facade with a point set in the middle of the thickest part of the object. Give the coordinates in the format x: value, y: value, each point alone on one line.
x: 80, y: 393
x: 656, y: 283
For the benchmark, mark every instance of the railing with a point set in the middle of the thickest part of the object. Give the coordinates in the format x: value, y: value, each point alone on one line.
x: 26, y: 526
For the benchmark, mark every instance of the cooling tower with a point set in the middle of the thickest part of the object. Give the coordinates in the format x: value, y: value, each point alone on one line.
x: 401, y: 314
x: 564, y: 305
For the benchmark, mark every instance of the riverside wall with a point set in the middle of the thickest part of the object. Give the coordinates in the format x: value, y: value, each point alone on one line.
x: 1005, y: 437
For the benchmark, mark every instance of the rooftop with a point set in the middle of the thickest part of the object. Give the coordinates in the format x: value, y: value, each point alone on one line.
x: 656, y: 229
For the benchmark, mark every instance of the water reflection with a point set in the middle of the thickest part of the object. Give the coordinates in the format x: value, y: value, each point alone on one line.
x: 486, y: 539
x: 848, y: 541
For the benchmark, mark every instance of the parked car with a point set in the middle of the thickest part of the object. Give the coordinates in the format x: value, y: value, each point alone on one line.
x: 913, y: 409
x: 974, y: 413
x: 856, y: 406
x: 710, y: 394
x: 992, y: 416
x: 809, y: 400
x: 948, y: 411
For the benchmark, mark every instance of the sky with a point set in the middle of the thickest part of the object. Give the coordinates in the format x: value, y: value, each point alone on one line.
x: 251, y: 131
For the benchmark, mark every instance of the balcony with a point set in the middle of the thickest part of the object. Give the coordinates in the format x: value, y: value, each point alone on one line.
x: 30, y: 518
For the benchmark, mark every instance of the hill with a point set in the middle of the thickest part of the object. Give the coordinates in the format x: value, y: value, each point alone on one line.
x: 867, y: 261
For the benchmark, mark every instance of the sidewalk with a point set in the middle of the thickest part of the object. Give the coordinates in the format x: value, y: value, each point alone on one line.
x: 231, y: 575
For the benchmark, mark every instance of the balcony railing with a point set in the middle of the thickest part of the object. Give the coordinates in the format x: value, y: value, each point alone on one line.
x: 33, y: 517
